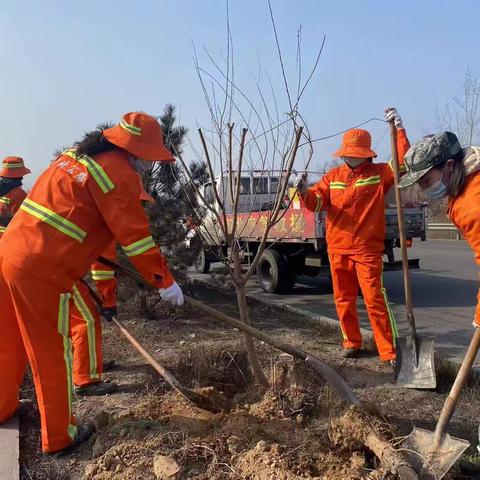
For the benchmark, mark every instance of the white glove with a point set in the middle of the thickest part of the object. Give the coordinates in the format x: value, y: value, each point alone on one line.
x: 172, y: 294
x: 392, y: 114
x: 300, y: 182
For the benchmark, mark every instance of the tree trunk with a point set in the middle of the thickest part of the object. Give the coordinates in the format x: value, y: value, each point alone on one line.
x: 252, y: 353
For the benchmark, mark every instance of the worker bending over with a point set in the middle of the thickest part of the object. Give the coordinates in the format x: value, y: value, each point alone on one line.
x: 85, y: 200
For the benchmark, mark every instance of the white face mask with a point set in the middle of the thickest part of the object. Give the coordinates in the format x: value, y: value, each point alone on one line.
x: 353, y: 162
x: 139, y: 165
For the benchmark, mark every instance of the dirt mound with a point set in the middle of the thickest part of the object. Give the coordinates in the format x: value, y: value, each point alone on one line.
x: 294, y: 431
x: 261, y: 440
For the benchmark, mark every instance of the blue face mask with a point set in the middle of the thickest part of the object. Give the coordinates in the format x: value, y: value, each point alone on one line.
x: 438, y: 190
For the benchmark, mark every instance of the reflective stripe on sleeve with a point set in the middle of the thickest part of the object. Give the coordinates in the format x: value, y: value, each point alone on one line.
x: 139, y: 247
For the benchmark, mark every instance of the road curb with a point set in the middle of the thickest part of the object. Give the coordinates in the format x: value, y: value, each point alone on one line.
x: 9, y: 450
x: 315, y: 317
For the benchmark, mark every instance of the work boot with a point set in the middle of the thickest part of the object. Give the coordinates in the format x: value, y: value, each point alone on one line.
x: 350, y: 352
x: 470, y: 465
x: 84, y: 432
x: 94, y: 389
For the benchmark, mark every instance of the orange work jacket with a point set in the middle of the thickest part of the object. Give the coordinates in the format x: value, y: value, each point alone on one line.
x: 354, y: 199
x: 75, y: 210
x: 464, y: 211
x: 9, y: 205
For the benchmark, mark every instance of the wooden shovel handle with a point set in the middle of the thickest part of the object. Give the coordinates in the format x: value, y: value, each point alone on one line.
x: 200, y: 400
x: 452, y: 399
x: 327, y: 373
x: 401, y: 229
x: 233, y: 322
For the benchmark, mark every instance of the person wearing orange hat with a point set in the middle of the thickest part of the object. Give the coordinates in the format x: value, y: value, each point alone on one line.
x: 11, y: 192
x: 354, y: 197
x: 86, y: 326
x: 84, y: 200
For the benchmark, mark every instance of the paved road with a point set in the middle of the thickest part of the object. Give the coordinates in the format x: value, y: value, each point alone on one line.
x: 445, y: 291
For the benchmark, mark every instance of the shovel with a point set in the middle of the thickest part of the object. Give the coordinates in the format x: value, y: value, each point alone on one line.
x: 436, y: 452
x: 415, y: 367
x: 326, y: 372
x: 201, y: 400
x: 330, y: 376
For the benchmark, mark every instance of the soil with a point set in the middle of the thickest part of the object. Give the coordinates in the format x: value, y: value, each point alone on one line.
x: 285, y: 433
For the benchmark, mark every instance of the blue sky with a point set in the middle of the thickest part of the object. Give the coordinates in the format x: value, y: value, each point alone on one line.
x: 67, y: 66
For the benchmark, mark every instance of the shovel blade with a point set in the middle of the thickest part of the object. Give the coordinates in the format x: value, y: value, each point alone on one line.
x: 415, y: 371
x: 433, y: 464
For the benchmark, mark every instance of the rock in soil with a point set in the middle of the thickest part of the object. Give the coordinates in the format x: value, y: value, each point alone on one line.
x: 165, y: 467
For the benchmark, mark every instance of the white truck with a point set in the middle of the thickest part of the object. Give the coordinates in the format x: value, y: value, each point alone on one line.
x: 296, y: 244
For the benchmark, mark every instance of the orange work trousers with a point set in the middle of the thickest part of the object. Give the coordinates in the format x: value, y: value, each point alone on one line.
x: 349, y: 272
x: 34, y: 323
x: 86, y: 331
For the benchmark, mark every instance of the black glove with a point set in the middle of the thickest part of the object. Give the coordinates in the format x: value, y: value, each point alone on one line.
x: 108, y: 313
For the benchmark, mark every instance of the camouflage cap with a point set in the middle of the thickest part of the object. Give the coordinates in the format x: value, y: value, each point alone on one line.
x: 427, y: 153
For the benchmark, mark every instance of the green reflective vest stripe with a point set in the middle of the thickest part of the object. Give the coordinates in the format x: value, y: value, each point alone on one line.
x: 130, y: 128
x: 3, y: 229
x: 56, y: 221
x: 139, y: 247
x: 96, y: 171
x: 90, y: 322
x: 319, y: 204
x: 64, y: 330
x: 102, y: 274
x: 5, y: 200
x: 337, y: 185
x: 365, y: 182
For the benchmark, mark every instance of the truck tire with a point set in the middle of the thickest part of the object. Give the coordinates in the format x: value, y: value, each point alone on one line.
x: 202, y: 262
x: 274, y: 274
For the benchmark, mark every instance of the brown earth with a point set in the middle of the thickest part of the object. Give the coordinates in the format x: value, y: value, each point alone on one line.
x: 282, y: 434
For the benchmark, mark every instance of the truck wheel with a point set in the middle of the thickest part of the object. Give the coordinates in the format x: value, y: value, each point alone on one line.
x: 274, y: 274
x: 202, y: 262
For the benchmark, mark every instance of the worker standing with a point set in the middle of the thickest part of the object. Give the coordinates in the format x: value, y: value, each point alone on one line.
x: 11, y: 191
x: 83, y: 201
x: 353, y: 196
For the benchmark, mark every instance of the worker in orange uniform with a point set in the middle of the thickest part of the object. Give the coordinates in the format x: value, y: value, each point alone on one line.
x: 85, y: 199
x: 354, y: 197
x: 86, y: 325
x: 443, y: 169
x: 11, y: 191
